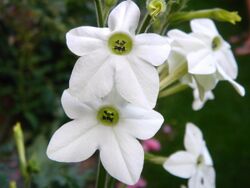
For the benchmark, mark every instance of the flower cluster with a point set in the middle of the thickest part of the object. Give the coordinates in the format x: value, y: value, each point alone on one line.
x: 112, y: 90
x: 114, y: 87
x: 208, y: 59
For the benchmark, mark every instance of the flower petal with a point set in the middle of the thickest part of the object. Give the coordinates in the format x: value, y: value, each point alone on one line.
x: 124, y: 17
x: 204, y: 26
x: 75, y: 141
x: 152, y: 48
x: 201, y: 62
x: 175, y: 60
x: 206, y: 82
x: 84, y: 40
x: 122, y: 156
x: 73, y: 107
x: 193, y: 140
x: 92, y: 77
x: 206, y: 155
x: 139, y: 122
x: 181, y: 164
x: 227, y: 62
x: 203, y: 178
x: 137, y: 82
x: 114, y: 98
x: 237, y: 86
x: 185, y: 41
x: 197, y: 102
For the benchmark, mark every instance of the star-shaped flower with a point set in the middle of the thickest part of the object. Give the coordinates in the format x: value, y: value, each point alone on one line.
x: 111, y: 126
x: 116, y: 56
x: 208, y: 56
x: 195, y: 163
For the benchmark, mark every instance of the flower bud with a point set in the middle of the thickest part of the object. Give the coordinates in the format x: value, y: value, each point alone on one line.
x: 156, y: 7
x: 224, y: 15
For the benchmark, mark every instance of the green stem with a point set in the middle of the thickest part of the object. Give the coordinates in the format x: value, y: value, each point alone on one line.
x: 18, y: 135
x: 163, y: 71
x: 99, y: 13
x: 145, y: 24
x: 173, y: 90
x: 111, y: 182
x: 168, y: 13
x: 101, y: 176
x: 216, y: 14
x: 155, y: 159
x: 171, y: 78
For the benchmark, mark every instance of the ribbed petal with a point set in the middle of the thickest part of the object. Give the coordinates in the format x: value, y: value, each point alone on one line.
x: 204, y: 26
x: 206, y: 82
x: 139, y: 122
x: 74, y: 141
x: 175, y: 60
x: 137, y: 82
x: 124, y: 17
x: 152, y: 48
x: 227, y: 62
x: 84, y: 40
x: 185, y: 41
x: 74, y: 108
x: 114, y: 98
x: 92, y: 77
x: 193, y: 140
x: 122, y: 156
x: 201, y: 62
x: 181, y: 164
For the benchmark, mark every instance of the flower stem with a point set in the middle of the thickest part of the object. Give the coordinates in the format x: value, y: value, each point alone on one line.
x: 99, y: 13
x: 173, y: 90
x: 171, y: 78
x: 156, y: 159
x: 102, y: 176
x: 216, y: 14
x: 168, y: 13
x: 145, y: 24
x: 18, y: 135
x: 111, y: 181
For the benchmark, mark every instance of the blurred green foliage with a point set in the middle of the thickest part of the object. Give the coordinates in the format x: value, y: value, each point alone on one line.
x: 35, y: 66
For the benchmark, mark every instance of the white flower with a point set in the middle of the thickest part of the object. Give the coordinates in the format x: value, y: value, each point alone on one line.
x: 209, y: 58
x: 111, y: 126
x: 116, y: 56
x: 195, y: 163
x: 198, y: 103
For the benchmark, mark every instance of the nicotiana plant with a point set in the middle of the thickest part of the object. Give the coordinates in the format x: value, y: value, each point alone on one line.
x: 115, y: 84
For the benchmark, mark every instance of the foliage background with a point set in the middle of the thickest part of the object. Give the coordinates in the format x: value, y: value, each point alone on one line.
x: 35, y: 66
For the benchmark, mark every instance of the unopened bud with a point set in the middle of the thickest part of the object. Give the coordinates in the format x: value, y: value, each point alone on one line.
x: 156, y: 7
x: 224, y: 15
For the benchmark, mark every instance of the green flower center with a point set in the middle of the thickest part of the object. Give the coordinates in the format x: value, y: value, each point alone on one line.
x: 216, y: 43
x: 120, y: 43
x: 108, y: 116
